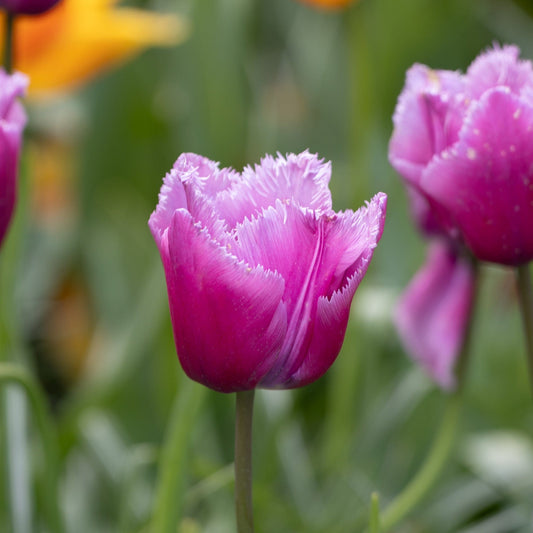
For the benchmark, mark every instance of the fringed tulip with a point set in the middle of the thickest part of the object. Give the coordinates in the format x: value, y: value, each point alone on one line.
x: 260, y: 270
x: 27, y: 7
x: 464, y: 146
x: 13, y: 120
x: 465, y: 143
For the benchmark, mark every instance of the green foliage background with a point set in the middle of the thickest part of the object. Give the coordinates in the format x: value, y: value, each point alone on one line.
x: 256, y: 77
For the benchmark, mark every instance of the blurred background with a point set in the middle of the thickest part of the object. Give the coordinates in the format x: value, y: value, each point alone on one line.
x: 89, y: 299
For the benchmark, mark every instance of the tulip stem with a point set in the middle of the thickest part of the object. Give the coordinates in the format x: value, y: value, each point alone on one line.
x: 375, y: 520
x: 243, y: 461
x: 525, y: 296
x: 10, y: 373
x: 8, y: 43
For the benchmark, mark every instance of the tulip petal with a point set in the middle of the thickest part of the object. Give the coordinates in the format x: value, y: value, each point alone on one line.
x: 426, y: 217
x: 289, y: 241
x: 204, y: 174
x: 432, y: 313
x: 317, y: 258
x: 498, y: 66
x: 13, y: 86
x: 171, y: 198
x: 12, y: 122
x: 426, y: 119
x: 283, y: 240
x: 301, y: 179
x: 227, y: 317
x: 485, y: 180
x: 192, y: 184
x: 329, y: 325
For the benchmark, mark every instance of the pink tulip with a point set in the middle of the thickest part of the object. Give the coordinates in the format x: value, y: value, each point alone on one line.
x: 465, y: 143
x: 260, y: 270
x: 12, y: 122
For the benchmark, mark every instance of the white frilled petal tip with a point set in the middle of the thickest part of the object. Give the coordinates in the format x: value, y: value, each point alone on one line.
x: 303, y: 177
x: 232, y: 197
x: 374, y: 215
x: 192, y: 184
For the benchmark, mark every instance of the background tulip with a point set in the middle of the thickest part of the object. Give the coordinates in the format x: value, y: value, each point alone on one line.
x: 13, y: 119
x: 464, y: 142
x: 27, y: 7
x: 260, y: 270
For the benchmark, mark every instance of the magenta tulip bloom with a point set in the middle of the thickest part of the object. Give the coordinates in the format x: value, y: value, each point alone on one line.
x: 12, y: 123
x: 260, y: 270
x: 27, y: 7
x: 465, y: 143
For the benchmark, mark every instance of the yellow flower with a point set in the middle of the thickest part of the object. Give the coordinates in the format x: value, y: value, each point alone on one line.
x: 328, y: 4
x: 78, y: 39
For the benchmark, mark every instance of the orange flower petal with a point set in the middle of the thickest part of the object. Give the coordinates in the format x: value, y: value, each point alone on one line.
x: 79, y: 38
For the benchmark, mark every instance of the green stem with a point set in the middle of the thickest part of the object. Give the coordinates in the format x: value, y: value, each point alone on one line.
x: 10, y: 373
x: 243, y: 461
x: 375, y: 520
x: 9, y: 42
x: 525, y: 296
x: 175, y: 457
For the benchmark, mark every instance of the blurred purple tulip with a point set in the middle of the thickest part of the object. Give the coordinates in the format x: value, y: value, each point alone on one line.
x: 433, y: 312
x: 27, y: 7
x: 13, y: 120
x: 260, y: 270
x: 465, y: 144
